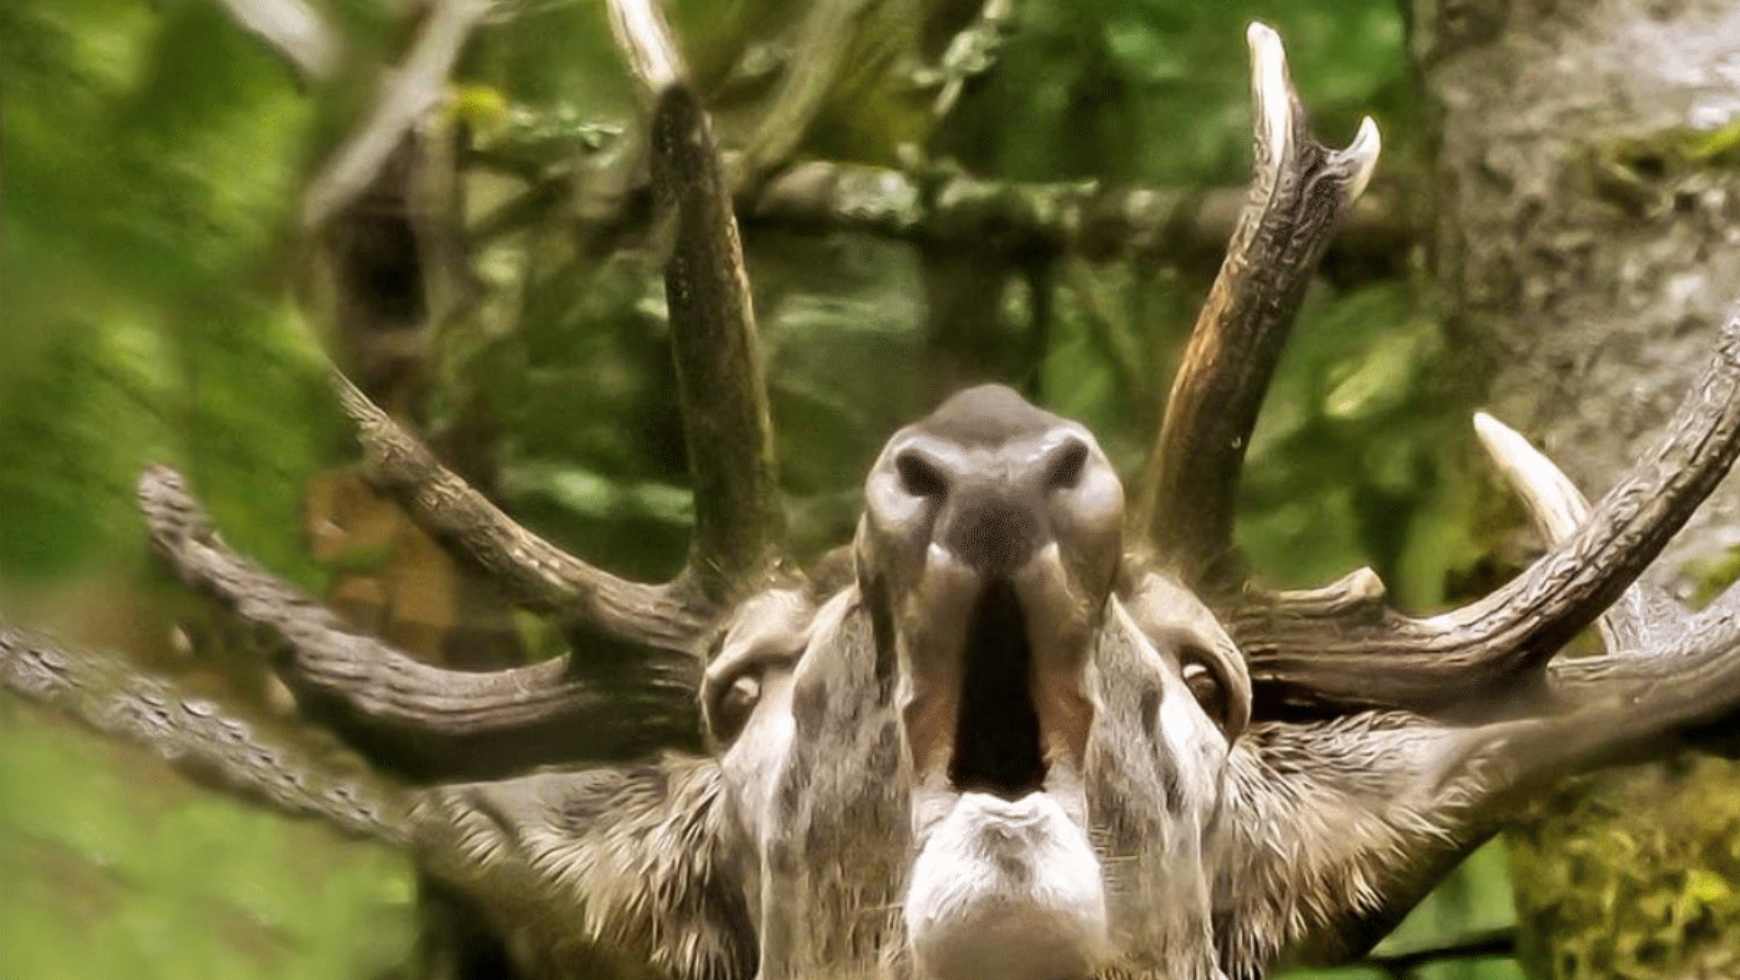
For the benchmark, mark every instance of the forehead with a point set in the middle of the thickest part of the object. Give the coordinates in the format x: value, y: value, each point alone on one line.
x: 988, y: 417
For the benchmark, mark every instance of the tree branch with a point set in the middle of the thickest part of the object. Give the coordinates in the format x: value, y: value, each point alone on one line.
x: 421, y: 721
x: 406, y: 94
x: 825, y: 38
x: 294, y: 30
x: 1083, y: 218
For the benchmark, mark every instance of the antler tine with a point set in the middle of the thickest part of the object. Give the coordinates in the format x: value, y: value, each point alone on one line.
x: 103, y: 690
x: 1360, y: 655
x: 739, y: 538
x: 421, y: 721
x: 1643, y: 616
x: 540, y: 576
x: 1650, y: 637
x: 1299, y: 192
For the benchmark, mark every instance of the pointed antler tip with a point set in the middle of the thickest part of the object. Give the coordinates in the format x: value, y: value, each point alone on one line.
x: 158, y: 475
x: 1489, y: 428
x: 1268, y: 58
x: 1551, y: 499
x: 1271, y: 91
x: 1501, y: 442
x: 1362, y: 154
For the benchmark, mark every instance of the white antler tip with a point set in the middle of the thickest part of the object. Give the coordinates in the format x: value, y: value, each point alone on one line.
x: 1364, y: 151
x: 1554, y: 502
x: 1490, y: 429
x: 1269, y: 90
x: 1503, y: 443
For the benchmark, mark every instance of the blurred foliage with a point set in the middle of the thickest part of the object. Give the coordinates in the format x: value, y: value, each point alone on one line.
x: 150, y: 267
x: 113, y: 870
x: 147, y: 312
x: 1594, y: 882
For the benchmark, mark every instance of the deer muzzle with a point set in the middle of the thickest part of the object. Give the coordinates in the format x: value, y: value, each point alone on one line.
x: 995, y: 690
x: 996, y: 705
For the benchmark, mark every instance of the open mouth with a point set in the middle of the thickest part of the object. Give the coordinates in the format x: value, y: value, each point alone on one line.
x: 997, y: 734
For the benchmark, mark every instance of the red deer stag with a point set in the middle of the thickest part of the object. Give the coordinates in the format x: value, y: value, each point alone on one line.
x: 1021, y: 728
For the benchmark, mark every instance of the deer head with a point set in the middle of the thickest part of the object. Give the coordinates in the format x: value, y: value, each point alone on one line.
x: 1021, y: 727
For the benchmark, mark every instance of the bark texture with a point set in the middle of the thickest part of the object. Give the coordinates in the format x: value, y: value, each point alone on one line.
x: 1587, y: 240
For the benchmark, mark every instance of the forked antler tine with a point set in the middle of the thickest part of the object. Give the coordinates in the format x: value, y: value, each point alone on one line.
x: 421, y: 721
x: 1301, y: 654
x: 1298, y: 193
x: 1536, y: 613
x: 537, y: 574
x: 103, y: 690
x: 739, y: 538
x: 1643, y: 617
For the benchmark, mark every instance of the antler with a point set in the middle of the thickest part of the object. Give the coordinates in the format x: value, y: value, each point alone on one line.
x: 202, y: 735
x: 540, y: 576
x: 422, y: 721
x: 1658, y: 651
x: 1332, y: 853
x: 739, y: 521
x: 739, y: 540
x: 1300, y: 191
x: 1341, y: 647
x: 431, y: 722
x: 1643, y: 617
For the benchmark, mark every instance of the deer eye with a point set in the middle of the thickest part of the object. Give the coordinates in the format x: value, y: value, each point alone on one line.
x: 728, y: 703
x: 1210, y: 691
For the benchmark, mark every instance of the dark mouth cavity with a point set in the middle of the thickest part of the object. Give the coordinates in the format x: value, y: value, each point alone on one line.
x: 997, y: 747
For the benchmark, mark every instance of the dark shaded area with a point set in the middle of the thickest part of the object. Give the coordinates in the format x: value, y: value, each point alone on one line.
x: 997, y: 748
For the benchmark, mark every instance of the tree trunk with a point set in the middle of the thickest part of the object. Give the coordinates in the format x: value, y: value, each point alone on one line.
x: 1587, y: 213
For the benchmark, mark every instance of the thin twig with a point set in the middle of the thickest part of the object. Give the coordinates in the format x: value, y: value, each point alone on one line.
x: 1490, y: 944
x: 407, y: 93
x: 971, y: 54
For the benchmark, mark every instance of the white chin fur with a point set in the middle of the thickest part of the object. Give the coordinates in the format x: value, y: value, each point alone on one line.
x: 1006, y: 891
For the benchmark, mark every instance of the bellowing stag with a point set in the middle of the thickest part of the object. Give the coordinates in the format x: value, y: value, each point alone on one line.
x: 1022, y: 728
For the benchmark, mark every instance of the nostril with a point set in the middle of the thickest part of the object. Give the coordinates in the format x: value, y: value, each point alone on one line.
x: 918, y: 476
x: 1067, y: 466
